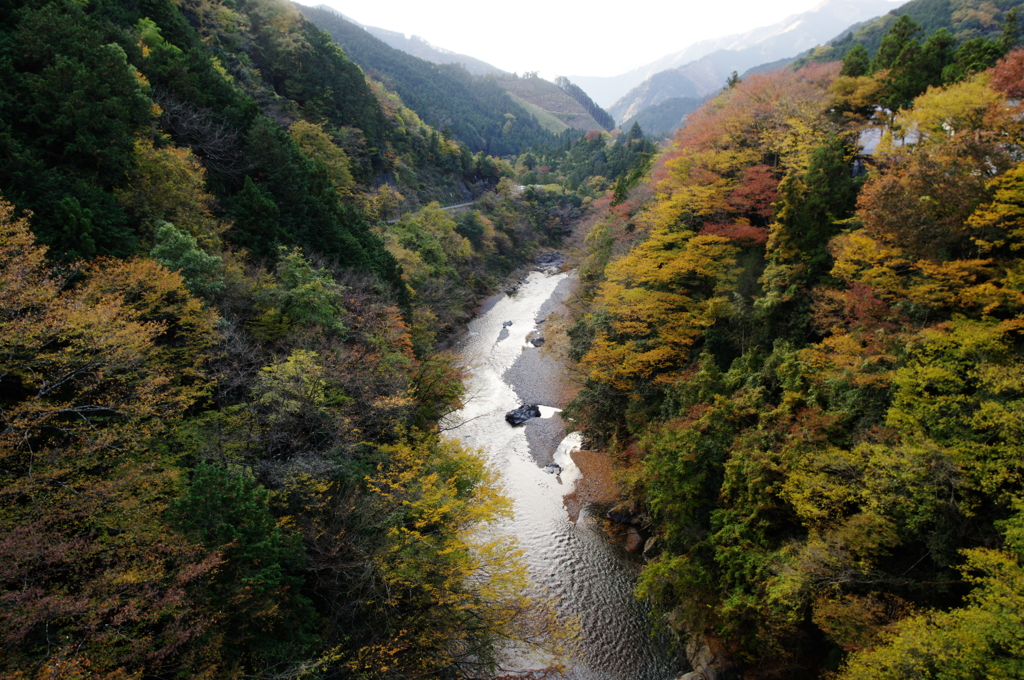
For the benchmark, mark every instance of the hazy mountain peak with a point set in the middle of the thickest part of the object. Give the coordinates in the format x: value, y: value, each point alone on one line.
x: 785, y: 38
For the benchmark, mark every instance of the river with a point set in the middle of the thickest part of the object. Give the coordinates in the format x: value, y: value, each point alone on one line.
x: 591, y: 577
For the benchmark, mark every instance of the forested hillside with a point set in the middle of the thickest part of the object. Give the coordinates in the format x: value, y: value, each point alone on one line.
x: 577, y: 93
x: 809, y: 362
x: 590, y: 164
x: 553, y: 107
x: 474, y: 110
x: 222, y: 286
x: 966, y: 21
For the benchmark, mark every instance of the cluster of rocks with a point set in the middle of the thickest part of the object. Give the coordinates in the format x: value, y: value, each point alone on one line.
x: 515, y: 286
x: 538, y: 340
x: 537, y: 674
x: 550, y: 262
x: 706, y: 663
x: 629, y: 514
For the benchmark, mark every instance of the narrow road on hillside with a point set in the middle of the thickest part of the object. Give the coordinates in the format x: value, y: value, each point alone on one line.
x: 447, y: 207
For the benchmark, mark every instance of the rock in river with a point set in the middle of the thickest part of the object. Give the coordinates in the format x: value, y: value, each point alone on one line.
x: 522, y: 414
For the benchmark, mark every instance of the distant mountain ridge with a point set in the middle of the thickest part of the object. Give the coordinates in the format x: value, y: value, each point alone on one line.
x: 475, y: 110
x: 787, y: 38
x: 418, y: 47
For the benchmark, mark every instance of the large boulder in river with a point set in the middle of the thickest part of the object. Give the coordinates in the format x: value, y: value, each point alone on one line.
x: 522, y: 414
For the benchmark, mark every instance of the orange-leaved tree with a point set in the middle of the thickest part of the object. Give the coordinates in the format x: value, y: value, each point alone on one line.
x: 94, y: 364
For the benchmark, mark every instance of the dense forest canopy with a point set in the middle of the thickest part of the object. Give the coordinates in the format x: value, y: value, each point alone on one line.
x: 224, y: 275
x: 226, y: 269
x: 808, y: 360
x: 963, y: 21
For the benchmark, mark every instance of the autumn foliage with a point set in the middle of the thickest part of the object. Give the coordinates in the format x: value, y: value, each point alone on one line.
x: 92, y: 373
x: 141, y: 431
x: 220, y: 380
x: 817, y: 371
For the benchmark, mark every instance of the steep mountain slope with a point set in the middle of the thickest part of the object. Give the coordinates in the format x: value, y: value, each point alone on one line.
x: 689, y: 82
x: 219, y: 89
x: 603, y: 118
x: 552, y: 100
x: 786, y: 38
x: 418, y: 47
x: 965, y: 19
x: 785, y: 379
x: 476, y: 111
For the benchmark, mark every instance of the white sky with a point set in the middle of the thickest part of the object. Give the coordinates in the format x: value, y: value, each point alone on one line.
x: 561, y: 37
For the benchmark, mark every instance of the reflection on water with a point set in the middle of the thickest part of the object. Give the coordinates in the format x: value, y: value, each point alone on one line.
x: 592, y: 579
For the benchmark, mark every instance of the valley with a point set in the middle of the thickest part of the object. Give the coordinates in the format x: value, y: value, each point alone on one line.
x: 327, y: 352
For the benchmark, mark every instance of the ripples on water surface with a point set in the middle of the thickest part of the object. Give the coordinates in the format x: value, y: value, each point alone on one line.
x: 591, y: 578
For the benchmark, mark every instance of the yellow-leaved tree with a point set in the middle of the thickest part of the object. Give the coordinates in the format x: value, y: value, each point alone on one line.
x: 92, y: 369
x: 982, y: 639
x: 659, y: 299
x: 169, y: 184
x: 413, y: 567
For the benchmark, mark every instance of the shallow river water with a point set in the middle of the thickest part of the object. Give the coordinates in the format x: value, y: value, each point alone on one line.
x: 591, y: 577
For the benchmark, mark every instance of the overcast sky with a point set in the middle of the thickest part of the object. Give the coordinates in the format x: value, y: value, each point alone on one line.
x: 559, y: 37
